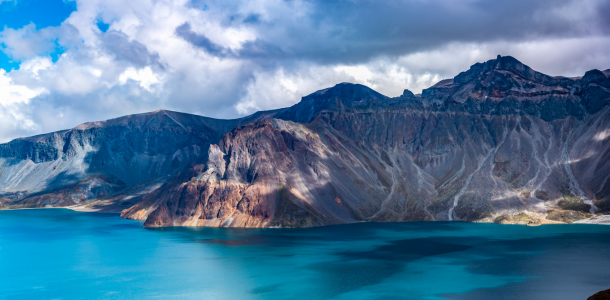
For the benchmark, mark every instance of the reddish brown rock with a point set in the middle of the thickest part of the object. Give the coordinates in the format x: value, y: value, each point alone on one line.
x: 497, y: 142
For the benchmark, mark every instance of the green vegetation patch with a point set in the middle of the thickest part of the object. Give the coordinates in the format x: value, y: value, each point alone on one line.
x: 503, y: 219
x: 567, y: 216
x: 570, y: 202
x: 520, y: 218
x: 523, y: 218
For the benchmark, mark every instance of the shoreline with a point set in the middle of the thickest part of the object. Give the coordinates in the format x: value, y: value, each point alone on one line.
x: 598, y: 220
x: 72, y: 208
x: 601, y: 220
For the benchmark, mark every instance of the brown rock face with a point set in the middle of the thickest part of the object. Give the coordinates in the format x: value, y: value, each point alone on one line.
x: 603, y: 295
x: 116, y: 160
x: 280, y: 174
x: 499, y: 142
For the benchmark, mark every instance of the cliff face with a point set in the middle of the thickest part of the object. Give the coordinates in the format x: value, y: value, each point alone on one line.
x: 497, y: 143
x: 117, y: 159
x: 318, y: 177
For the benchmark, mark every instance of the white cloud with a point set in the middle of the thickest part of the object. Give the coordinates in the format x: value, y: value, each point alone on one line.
x: 144, y: 76
x: 36, y: 64
x: 11, y: 93
x: 146, y: 66
x: 13, y: 100
x: 25, y: 42
x: 277, y: 89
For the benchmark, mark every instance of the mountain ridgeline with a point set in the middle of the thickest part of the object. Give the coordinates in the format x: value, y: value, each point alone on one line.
x: 497, y: 143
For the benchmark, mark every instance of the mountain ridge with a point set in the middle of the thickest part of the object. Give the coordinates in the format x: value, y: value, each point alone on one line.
x: 498, y: 142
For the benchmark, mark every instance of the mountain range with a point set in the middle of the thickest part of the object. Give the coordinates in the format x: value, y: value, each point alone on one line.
x: 499, y: 142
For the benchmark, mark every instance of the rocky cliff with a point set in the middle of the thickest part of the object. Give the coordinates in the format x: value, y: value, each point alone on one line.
x: 119, y: 159
x: 497, y: 143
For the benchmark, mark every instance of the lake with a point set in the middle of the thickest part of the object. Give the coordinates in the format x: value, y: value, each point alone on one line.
x: 62, y: 254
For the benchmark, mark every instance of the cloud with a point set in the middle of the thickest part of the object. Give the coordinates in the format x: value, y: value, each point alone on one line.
x: 145, y: 77
x: 124, y: 50
x: 13, y: 99
x: 11, y: 93
x: 278, y: 88
x: 225, y: 59
x: 201, y: 41
x: 357, y: 31
x: 248, y: 50
x: 26, y: 42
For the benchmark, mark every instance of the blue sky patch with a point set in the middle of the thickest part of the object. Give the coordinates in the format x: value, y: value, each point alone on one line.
x: 59, y: 50
x: 7, y: 63
x: 43, y: 13
x: 102, y: 26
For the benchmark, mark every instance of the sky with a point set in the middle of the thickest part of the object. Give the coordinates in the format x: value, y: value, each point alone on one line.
x: 66, y: 62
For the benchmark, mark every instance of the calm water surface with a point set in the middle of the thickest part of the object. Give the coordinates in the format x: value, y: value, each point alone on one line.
x: 61, y: 254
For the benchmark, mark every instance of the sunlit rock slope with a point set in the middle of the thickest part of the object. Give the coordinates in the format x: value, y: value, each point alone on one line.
x: 119, y: 159
x: 497, y: 143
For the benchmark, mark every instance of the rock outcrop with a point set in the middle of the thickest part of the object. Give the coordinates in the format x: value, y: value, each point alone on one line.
x: 603, y: 295
x: 118, y: 159
x: 497, y: 143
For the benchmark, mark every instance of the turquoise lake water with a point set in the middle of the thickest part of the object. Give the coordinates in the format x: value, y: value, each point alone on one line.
x: 61, y: 254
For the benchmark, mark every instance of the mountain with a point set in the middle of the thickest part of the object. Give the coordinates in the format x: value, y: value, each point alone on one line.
x: 119, y: 159
x: 497, y: 143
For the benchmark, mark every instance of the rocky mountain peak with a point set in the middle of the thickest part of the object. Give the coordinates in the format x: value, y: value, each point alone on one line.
x: 596, y: 76
x: 507, y: 63
x: 348, y: 92
x: 158, y: 118
x: 408, y: 94
x: 501, y: 63
x: 337, y: 97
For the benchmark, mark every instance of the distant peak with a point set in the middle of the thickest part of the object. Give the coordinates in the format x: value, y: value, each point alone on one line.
x: 596, y: 76
x: 408, y: 94
x: 507, y: 63
x: 346, y: 90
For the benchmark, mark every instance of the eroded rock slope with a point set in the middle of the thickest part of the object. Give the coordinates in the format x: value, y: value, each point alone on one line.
x: 497, y: 143
x: 119, y: 159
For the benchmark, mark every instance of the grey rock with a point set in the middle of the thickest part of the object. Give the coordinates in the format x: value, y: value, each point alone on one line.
x: 100, y: 160
x: 407, y: 94
x: 499, y: 142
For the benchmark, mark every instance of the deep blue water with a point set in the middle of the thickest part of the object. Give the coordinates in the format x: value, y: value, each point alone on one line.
x: 61, y: 254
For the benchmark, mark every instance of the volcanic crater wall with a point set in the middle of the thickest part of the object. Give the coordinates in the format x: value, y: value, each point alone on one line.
x: 497, y: 143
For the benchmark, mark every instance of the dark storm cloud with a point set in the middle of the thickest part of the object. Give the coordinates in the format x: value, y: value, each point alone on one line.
x: 250, y: 49
x: 355, y: 31
x: 603, y: 15
x: 134, y: 52
x: 201, y: 41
